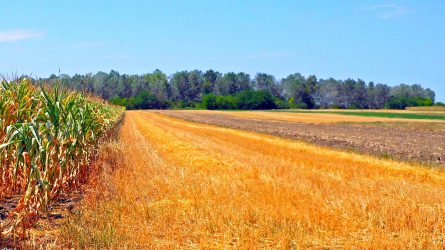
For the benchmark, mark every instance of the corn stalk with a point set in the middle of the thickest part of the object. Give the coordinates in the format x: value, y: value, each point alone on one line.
x: 47, y: 138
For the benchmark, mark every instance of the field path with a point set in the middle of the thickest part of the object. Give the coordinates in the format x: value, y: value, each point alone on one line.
x: 185, y: 184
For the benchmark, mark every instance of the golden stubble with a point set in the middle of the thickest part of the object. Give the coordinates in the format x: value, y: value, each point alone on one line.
x: 183, y: 184
x: 309, y: 117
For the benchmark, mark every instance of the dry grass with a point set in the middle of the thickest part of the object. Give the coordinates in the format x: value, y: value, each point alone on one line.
x: 183, y: 184
x: 306, y: 117
x: 433, y: 108
x: 408, y: 110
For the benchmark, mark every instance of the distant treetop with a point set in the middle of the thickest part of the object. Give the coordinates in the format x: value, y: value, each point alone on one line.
x: 196, y: 89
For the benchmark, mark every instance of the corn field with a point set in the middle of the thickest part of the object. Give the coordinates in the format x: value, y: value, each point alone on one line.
x: 48, y: 137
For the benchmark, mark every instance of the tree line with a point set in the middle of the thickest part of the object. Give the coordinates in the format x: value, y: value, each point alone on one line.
x: 214, y: 90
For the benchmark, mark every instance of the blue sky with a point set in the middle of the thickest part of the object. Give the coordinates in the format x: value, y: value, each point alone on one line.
x: 384, y: 41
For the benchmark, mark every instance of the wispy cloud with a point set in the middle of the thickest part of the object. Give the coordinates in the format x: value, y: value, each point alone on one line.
x: 267, y: 55
x: 17, y: 35
x: 388, y: 11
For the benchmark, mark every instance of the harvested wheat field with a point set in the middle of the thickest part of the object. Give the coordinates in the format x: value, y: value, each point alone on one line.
x: 413, y: 141
x: 170, y: 183
x: 313, y: 117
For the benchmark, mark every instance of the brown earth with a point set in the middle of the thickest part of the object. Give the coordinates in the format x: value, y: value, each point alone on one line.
x: 44, y: 231
x: 427, y: 146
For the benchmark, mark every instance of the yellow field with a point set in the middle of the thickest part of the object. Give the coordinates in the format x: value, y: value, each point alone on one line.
x: 432, y: 109
x: 307, y: 117
x: 183, y: 184
x: 407, y: 110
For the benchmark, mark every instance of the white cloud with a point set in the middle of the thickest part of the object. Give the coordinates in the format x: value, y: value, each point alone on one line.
x: 17, y: 35
x: 387, y: 11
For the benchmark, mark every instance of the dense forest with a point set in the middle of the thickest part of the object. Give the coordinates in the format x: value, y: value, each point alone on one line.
x: 214, y: 90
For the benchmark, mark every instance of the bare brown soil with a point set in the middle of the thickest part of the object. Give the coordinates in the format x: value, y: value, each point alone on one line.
x: 43, y: 233
x: 427, y: 146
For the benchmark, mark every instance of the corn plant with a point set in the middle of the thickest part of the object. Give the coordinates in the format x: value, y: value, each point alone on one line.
x: 47, y: 138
